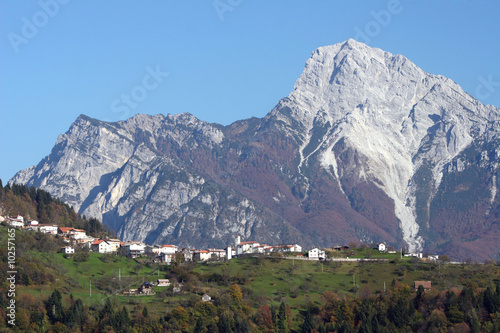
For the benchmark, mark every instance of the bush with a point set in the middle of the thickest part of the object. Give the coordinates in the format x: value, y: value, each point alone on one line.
x: 81, y: 256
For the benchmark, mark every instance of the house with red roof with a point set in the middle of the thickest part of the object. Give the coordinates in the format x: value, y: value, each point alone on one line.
x: 101, y: 246
x: 202, y: 255
x: 246, y: 247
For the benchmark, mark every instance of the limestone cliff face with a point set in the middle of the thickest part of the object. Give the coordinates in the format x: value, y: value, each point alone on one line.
x: 366, y: 147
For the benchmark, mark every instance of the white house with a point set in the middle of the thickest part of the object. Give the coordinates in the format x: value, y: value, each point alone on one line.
x: 259, y: 249
x: 87, y: 244
x: 246, y: 247
x: 152, y: 249
x: 47, y: 229
x: 217, y: 253
x: 68, y: 250
x: 158, y: 250
x: 381, y: 247
x: 101, y: 246
x: 114, y: 242
x: 168, y: 249
x: 316, y: 254
x: 188, y: 254
x: 83, y: 240
x: 416, y: 255
x: 295, y: 248
x: 167, y: 257
x: 202, y: 255
x: 134, y: 249
x: 16, y: 223
x: 206, y: 298
x: 287, y: 248
x: 77, y: 234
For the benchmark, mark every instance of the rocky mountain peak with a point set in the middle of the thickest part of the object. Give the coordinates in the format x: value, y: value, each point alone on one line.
x: 367, y: 147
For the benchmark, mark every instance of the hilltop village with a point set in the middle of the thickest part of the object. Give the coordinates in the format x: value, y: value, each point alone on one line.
x: 79, y: 240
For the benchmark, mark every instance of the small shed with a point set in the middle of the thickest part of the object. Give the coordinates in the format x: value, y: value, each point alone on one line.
x: 381, y: 247
x: 163, y: 282
x: 426, y: 284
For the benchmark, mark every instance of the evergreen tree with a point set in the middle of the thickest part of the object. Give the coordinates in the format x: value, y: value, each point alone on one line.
x: 37, y: 317
x: 282, y: 320
x: 419, y: 297
x: 121, y: 321
x: 490, y: 301
x: 307, y: 325
x: 108, y: 309
x: 53, y: 305
x: 473, y: 322
x: 200, y: 326
x: 242, y: 326
x: 398, y: 313
x: 467, y: 299
x: 74, y: 315
x: 224, y: 326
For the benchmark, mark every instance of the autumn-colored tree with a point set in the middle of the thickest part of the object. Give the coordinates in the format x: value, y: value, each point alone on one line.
x: 437, y: 320
x: 330, y: 310
x: 205, y: 310
x: 235, y: 292
x: 266, y: 319
x: 181, y: 316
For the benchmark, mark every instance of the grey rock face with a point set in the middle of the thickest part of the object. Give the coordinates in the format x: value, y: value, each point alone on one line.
x: 390, y: 111
x: 360, y: 120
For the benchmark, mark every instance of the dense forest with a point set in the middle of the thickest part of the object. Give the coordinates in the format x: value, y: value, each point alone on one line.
x: 398, y: 309
x: 37, y: 204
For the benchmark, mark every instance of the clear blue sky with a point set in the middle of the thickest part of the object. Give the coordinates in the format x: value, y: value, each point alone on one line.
x: 226, y: 59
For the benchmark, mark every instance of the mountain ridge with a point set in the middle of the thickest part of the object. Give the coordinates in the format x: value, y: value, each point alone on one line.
x: 360, y: 146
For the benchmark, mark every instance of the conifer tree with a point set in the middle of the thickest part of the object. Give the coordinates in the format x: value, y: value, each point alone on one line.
x: 200, y: 325
x: 307, y: 325
x: 224, y: 326
x: 282, y: 320
x: 53, y: 305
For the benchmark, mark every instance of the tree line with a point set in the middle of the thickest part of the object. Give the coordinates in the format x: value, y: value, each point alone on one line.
x: 36, y: 204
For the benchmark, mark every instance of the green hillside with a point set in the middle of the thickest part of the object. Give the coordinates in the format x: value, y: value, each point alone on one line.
x: 244, y: 291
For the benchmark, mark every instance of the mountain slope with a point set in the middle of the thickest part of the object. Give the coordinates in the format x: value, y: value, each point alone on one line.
x: 366, y: 147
